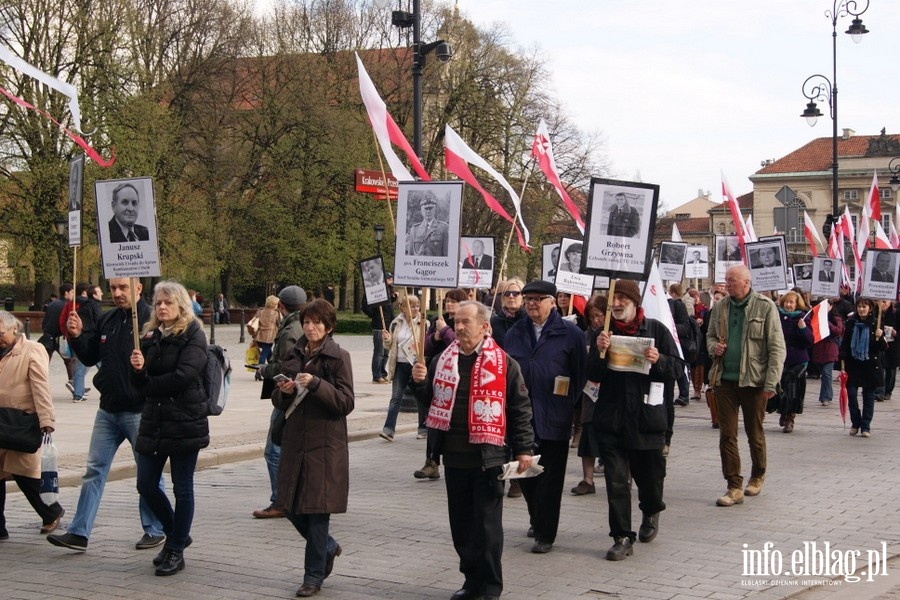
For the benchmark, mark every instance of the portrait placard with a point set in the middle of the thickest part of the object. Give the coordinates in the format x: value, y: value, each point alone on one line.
x: 826, y: 281
x: 803, y: 275
x: 428, y: 217
x: 880, y: 269
x: 781, y: 241
x: 671, y: 260
x: 372, y: 271
x: 76, y: 179
x: 767, y: 271
x: 568, y: 279
x: 621, y: 219
x: 549, y: 261
x: 477, y: 267
x: 696, y: 264
x: 126, y: 226
x: 728, y: 254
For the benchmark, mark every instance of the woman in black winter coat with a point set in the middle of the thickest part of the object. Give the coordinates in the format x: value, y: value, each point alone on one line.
x: 861, y: 351
x: 168, y: 372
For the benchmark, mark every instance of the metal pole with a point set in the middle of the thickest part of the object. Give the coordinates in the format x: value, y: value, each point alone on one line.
x: 417, y: 69
x: 834, y: 120
x: 242, y: 327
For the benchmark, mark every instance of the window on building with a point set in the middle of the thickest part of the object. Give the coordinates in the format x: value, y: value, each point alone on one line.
x: 789, y: 218
x: 886, y: 193
x: 722, y: 228
x: 851, y: 195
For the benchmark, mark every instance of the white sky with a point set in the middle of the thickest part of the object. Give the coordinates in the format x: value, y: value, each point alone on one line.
x: 682, y: 92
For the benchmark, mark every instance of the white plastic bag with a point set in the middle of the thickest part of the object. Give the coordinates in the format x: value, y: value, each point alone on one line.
x: 49, y: 472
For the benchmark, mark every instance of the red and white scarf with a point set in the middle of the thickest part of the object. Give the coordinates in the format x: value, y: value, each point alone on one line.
x: 487, y: 393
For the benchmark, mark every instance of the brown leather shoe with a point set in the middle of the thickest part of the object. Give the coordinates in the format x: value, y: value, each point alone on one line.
x: 307, y: 589
x: 732, y: 496
x: 754, y: 486
x: 269, y: 512
x: 52, y: 525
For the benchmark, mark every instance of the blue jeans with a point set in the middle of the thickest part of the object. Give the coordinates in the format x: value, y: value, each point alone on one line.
x: 265, y: 350
x: 110, y: 430
x: 379, y: 360
x: 319, y: 544
x: 78, y: 373
x: 176, y: 523
x: 861, y: 420
x: 272, y: 454
x: 402, y: 376
x: 825, y: 377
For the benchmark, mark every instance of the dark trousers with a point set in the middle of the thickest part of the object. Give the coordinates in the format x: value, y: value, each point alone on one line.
x: 752, y: 403
x: 319, y: 544
x: 475, y: 505
x: 543, y: 493
x: 648, y: 468
x: 176, y: 523
x: 31, y: 489
x: 861, y: 419
x: 379, y: 356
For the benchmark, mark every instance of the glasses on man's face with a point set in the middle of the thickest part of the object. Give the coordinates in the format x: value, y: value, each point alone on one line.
x: 512, y: 294
x: 536, y: 299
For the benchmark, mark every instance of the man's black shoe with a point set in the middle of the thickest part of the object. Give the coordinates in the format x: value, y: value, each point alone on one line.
x: 157, y: 560
x: 621, y: 549
x: 530, y: 532
x: 542, y: 547
x: 329, y: 563
x: 649, y: 528
x: 148, y: 541
x: 172, y: 562
x: 68, y: 540
x: 464, y: 594
x: 682, y: 401
x: 308, y: 589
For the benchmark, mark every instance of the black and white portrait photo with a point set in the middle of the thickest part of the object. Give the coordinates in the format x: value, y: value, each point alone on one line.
x: 126, y: 225
x: 767, y: 272
x: 696, y: 263
x: 671, y: 260
x: 76, y: 181
x: 803, y: 275
x: 568, y: 278
x: 621, y: 215
x: 372, y: 270
x: 571, y: 257
x: 880, y: 268
x: 549, y: 261
x: 428, y: 222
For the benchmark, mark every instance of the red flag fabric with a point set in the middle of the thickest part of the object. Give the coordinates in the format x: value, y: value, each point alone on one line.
x: 579, y: 303
x: 542, y: 151
x: 843, y: 397
x: 91, y: 153
x: 819, y: 321
x: 874, y: 199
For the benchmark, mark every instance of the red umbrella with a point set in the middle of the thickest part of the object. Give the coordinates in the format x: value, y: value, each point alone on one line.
x: 843, y: 399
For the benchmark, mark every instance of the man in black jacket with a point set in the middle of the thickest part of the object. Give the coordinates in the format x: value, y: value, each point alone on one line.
x: 468, y: 432
x: 630, y: 418
x: 109, y: 345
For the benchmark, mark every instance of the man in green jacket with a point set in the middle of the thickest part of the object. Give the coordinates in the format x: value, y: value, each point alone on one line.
x: 748, y: 350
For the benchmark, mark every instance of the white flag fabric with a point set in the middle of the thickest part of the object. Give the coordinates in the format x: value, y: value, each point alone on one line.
x: 676, y: 235
x: 812, y: 236
x: 656, y: 304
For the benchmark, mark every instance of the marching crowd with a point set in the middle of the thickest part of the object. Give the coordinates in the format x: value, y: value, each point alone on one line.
x: 520, y: 378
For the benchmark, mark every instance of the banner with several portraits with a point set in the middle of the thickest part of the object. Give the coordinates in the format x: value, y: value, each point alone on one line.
x: 477, y: 267
x: 427, y: 242
x: 126, y: 226
x: 619, y: 229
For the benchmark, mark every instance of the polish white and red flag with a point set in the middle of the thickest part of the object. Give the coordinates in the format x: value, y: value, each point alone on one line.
x: 819, y: 321
x: 656, y: 304
x: 749, y: 230
x: 542, y: 151
x: 894, y: 235
x: 458, y: 156
x: 846, y: 225
x: 735, y: 214
x: 387, y: 131
x: 874, y: 199
x: 882, y: 242
x: 811, y: 235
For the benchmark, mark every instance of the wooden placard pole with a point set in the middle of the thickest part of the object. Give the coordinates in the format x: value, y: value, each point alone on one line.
x: 423, y: 324
x: 132, y: 284
x: 74, y: 278
x: 612, y: 293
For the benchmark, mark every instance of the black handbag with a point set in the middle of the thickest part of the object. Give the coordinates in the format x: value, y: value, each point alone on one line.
x: 20, y: 431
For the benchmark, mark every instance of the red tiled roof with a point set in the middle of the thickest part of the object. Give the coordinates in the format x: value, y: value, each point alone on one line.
x: 816, y: 155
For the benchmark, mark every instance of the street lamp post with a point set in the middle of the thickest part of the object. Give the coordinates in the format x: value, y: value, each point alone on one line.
x: 444, y: 52
x: 379, y: 236
x: 819, y: 87
x: 62, y: 228
x: 895, y: 174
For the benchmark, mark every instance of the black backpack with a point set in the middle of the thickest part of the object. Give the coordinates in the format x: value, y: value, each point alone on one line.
x: 216, y: 379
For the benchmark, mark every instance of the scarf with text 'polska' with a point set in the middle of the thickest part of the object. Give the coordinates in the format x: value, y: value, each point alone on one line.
x: 487, y: 393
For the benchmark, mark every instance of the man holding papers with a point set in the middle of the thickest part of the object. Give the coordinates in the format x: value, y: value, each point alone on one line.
x: 478, y: 404
x: 630, y: 415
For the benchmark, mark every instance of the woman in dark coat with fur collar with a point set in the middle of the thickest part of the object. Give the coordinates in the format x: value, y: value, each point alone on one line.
x: 168, y: 372
x: 314, y: 472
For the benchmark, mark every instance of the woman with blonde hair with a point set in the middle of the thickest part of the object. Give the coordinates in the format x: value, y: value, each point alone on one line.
x: 168, y: 372
x: 402, y: 336
x: 24, y: 366
x: 798, y: 340
x: 269, y: 317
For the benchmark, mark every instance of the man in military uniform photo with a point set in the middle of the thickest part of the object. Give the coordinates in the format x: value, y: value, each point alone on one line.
x: 429, y: 236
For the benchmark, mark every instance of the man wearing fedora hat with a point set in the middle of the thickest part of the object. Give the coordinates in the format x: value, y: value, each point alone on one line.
x: 429, y: 236
x: 552, y: 355
x: 630, y: 418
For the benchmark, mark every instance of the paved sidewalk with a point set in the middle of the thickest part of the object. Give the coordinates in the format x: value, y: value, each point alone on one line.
x: 823, y: 486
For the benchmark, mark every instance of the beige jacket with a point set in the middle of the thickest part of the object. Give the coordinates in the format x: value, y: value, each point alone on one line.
x: 24, y: 372
x: 269, y: 318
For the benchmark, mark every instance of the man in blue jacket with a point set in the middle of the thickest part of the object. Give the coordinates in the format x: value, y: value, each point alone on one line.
x: 552, y: 355
x: 109, y: 346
